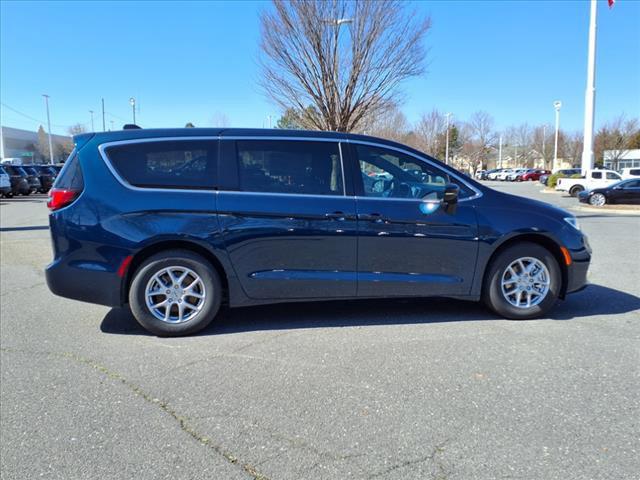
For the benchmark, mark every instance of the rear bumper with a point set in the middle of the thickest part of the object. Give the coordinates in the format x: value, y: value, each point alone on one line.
x: 85, y: 281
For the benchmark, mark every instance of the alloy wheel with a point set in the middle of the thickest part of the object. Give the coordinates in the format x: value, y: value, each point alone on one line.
x: 175, y: 294
x: 525, y: 282
x: 597, y: 200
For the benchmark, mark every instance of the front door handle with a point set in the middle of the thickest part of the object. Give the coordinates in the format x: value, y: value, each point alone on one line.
x: 371, y: 217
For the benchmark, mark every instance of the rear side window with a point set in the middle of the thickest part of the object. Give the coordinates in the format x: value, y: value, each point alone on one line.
x: 302, y: 167
x: 596, y: 175
x: 70, y: 177
x: 634, y: 171
x: 188, y: 164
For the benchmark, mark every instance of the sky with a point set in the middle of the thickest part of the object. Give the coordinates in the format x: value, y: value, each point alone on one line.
x: 198, y: 61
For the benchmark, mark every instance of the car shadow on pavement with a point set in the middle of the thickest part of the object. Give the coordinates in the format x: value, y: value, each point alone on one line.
x: 595, y: 300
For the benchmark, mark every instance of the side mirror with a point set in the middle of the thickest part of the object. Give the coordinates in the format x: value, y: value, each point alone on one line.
x: 450, y: 198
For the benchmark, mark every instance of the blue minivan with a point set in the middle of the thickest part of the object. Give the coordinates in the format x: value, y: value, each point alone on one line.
x: 176, y: 222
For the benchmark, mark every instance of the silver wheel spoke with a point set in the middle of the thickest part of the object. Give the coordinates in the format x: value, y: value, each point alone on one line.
x: 170, y: 302
x: 525, y: 282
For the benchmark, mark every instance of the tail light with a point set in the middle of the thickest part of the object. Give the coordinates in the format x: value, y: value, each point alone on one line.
x: 59, y: 197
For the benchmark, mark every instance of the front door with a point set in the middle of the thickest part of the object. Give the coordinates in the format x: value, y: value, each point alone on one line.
x: 408, y: 244
x: 290, y: 229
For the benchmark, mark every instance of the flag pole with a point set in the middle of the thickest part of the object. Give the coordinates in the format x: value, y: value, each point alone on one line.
x: 590, y: 94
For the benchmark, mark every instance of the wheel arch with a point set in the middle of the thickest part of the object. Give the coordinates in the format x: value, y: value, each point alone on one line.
x: 160, y: 246
x: 544, y: 241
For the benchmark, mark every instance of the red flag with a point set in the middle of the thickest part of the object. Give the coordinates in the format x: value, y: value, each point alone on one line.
x: 611, y: 2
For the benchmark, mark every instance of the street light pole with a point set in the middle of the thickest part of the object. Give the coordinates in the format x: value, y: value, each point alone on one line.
x: 46, y: 101
x: 500, y: 152
x: 92, y: 127
x: 544, y: 139
x: 104, y: 128
x: 132, y: 102
x: 446, y: 148
x: 557, y: 105
x: 590, y: 94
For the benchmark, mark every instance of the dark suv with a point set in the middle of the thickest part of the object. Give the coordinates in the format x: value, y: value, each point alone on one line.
x: 176, y: 222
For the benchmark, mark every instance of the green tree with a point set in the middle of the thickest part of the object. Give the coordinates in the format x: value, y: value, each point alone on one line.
x: 42, y: 147
x: 189, y: 125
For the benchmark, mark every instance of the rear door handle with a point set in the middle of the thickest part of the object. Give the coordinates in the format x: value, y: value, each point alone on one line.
x: 335, y: 216
x: 371, y: 217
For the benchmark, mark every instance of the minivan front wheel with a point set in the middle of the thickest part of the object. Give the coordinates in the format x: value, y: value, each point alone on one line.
x: 174, y: 293
x: 522, y: 282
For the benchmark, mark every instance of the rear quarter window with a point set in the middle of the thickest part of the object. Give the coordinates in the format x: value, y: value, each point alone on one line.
x: 70, y: 177
x: 179, y: 164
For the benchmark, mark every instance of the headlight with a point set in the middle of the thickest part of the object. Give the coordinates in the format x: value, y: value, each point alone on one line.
x: 573, y: 221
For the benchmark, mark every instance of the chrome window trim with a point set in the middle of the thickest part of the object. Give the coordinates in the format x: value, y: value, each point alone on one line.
x: 339, y: 141
x: 288, y: 195
x: 126, y: 184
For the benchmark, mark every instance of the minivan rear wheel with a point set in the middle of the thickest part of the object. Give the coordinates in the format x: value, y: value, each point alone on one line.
x: 522, y: 282
x: 175, y: 292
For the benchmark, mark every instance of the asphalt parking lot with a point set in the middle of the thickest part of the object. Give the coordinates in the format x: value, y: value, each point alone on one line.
x: 429, y: 389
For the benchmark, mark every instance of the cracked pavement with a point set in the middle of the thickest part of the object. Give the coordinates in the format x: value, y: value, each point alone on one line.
x: 429, y: 389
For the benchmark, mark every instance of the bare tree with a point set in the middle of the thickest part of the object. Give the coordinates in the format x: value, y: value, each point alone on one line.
x: 542, y: 142
x: 481, y: 138
x: 431, y: 132
x: 345, y: 78
x: 391, y: 124
x: 615, y: 137
x: 76, y: 129
x: 219, y: 120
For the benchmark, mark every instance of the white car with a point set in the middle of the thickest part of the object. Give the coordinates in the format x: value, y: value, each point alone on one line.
x: 514, y: 174
x: 478, y: 175
x: 593, y: 179
x: 504, y: 174
x: 630, y: 173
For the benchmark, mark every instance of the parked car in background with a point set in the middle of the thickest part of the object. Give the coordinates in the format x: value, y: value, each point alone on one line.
x: 504, y: 173
x: 630, y: 172
x: 5, y: 183
x: 493, y: 174
x: 19, y: 180
x: 533, y: 174
x: 47, y: 175
x: 513, y: 176
x: 567, y: 172
x: 33, y: 178
x: 480, y: 174
x: 593, y: 179
x: 261, y: 216
x: 626, y: 191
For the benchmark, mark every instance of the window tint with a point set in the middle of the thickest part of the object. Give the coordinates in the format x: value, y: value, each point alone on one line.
x: 70, y: 177
x: 391, y: 174
x: 631, y: 184
x: 277, y: 166
x: 634, y: 171
x: 596, y: 175
x: 166, y: 164
x: 612, y: 176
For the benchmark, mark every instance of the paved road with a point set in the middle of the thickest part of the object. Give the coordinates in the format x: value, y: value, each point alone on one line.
x: 432, y: 389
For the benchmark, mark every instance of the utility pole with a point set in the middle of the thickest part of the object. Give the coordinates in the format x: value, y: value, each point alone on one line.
x: 1, y: 143
x: 544, y: 151
x: 112, y: 125
x: 132, y: 102
x: 104, y: 128
x: 446, y: 148
x: 557, y: 105
x: 92, y: 127
x: 500, y: 152
x: 515, y: 156
x: 46, y: 101
x: 590, y: 94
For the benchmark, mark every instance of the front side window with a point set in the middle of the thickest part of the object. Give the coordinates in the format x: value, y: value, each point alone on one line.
x: 631, y: 184
x: 390, y: 174
x: 612, y: 176
x: 295, y: 167
x: 597, y: 175
x: 187, y: 164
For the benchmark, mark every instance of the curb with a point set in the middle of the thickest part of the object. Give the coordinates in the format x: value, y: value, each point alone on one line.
x: 633, y: 212
x: 545, y: 190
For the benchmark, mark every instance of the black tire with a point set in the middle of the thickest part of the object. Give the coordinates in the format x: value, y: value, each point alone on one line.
x: 492, y: 290
x: 575, y: 190
x: 175, y: 258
